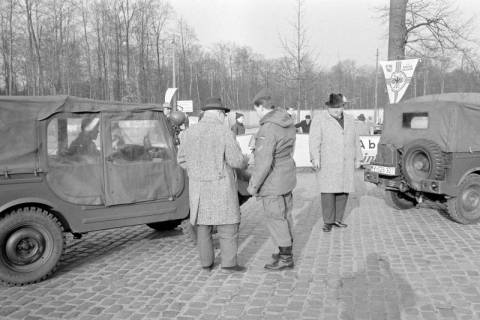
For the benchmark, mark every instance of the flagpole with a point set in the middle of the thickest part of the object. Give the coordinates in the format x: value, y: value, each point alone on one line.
x: 375, y: 112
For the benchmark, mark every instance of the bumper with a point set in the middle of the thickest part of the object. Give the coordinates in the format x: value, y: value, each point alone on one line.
x: 430, y: 186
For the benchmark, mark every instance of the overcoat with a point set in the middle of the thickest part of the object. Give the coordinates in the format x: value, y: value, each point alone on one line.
x: 338, y: 151
x: 209, y: 152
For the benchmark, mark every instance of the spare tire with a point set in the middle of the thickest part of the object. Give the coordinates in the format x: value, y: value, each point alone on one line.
x: 423, y: 159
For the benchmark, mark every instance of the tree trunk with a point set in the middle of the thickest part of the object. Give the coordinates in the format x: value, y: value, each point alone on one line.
x: 397, y: 31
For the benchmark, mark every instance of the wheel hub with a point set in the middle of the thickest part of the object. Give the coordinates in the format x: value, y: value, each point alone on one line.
x: 471, y: 199
x: 25, y: 246
x: 420, y: 165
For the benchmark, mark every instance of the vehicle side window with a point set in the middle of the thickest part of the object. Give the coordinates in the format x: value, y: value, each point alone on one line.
x: 139, y: 140
x: 415, y: 120
x: 74, y: 139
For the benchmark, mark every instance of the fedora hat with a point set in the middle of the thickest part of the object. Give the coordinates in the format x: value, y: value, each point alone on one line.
x: 214, y: 103
x: 336, y: 100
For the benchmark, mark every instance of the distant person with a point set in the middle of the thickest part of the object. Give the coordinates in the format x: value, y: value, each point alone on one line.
x: 363, y: 128
x: 210, y: 153
x: 84, y: 144
x: 304, y: 124
x: 273, y: 176
x: 335, y: 153
x: 238, y: 128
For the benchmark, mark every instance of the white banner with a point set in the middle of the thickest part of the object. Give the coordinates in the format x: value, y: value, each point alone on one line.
x: 398, y: 74
x: 301, y: 155
x: 185, y: 105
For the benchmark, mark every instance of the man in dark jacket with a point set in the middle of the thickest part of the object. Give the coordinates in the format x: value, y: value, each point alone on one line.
x: 273, y: 176
x: 304, y: 124
x: 238, y: 128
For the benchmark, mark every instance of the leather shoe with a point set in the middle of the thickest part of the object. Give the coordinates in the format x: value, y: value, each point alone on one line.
x: 235, y: 268
x: 338, y: 224
x: 208, y: 268
x: 327, y: 227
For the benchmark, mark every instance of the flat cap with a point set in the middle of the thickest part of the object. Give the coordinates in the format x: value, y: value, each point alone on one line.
x: 264, y: 94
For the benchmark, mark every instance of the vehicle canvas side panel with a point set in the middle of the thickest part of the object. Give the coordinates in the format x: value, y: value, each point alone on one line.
x: 18, y: 145
x: 453, y: 126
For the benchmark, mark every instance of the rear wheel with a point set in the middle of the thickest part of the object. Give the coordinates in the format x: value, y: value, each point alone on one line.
x: 165, y: 225
x: 465, y: 207
x: 399, y: 200
x: 31, y: 244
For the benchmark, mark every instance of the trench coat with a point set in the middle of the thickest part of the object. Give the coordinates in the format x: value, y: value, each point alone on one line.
x: 338, y: 151
x: 209, y: 152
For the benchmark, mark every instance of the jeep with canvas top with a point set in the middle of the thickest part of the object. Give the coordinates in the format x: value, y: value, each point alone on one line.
x: 430, y: 150
x: 77, y: 165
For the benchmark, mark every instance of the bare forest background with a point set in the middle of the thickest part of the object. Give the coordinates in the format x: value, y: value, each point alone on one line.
x: 123, y: 50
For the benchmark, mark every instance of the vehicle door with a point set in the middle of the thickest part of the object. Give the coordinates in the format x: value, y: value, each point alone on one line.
x: 74, y: 155
x: 140, y: 158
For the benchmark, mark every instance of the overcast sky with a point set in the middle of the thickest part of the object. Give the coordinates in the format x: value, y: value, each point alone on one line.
x: 338, y: 29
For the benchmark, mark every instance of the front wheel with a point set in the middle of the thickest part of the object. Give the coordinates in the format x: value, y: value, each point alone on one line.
x: 399, y: 200
x: 465, y: 207
x: 31, y: 244
x: 165, y: 225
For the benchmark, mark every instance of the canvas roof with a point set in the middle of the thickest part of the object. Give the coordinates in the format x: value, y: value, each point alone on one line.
x: 18, y: 116
x: 453, y: 121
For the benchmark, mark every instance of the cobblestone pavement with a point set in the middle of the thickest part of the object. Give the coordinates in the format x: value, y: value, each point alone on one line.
x: 387, y: 264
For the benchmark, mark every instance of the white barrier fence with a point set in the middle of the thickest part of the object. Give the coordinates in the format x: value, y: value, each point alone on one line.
x: 301, y: 155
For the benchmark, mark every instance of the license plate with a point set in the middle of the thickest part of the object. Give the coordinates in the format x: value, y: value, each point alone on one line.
x: 388, y: 171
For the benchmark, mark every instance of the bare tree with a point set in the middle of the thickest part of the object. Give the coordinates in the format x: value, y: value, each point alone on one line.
x: 297, y: 49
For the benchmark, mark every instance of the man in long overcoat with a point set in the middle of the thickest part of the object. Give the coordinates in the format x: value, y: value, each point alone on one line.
x: 335, y: 153
x: 209, y: 152
x: 273, y: 176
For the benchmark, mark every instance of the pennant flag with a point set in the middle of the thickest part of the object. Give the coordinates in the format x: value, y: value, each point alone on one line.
x: 398, y: 74
x: 169, y: 94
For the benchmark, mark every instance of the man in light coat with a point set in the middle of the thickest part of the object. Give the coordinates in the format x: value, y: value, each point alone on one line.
x: 273, y: 176
x: 334, y: 153
x: 209, y: 152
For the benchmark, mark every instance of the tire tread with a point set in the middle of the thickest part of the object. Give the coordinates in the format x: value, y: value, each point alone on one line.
x: 55, y: 220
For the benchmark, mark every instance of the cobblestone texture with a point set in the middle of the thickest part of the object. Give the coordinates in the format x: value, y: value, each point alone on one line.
x: 388, y: 264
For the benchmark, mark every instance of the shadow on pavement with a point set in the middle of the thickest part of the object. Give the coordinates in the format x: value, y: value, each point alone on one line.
x: 375, y: 292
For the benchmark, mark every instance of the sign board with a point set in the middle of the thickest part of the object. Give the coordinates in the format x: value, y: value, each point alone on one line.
x: 301, y: 154
x: 369, y: 147
x: 185, y: 105
x: 169, y: 94
x: 398, y: 75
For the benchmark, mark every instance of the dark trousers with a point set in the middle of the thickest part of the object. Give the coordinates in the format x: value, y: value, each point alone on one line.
x: 278, y: 210
x: 333, y: 207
